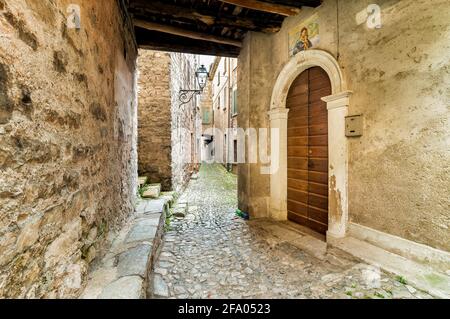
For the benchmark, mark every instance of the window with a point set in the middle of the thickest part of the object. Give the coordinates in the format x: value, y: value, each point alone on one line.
x: 225, y: 98
x: 218, y: 78
x: 234, y: 106
x: 235, y: 155
x: 206, y: 116
x: 218, y: 102
x: 225, y: 147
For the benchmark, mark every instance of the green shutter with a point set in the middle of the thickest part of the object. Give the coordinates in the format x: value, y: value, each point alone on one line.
x: 206, y: 117
x: 235, y: 110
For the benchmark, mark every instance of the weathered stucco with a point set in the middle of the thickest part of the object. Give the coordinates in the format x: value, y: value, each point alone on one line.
x: 67, y: 121
x: 254, y: 73
x: 398, y: 170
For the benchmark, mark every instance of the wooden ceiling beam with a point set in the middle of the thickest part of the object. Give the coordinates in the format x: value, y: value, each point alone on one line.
x: 275, y: 8
x: 141, y: 8
x: 153, y: 40
x: 152, y: 26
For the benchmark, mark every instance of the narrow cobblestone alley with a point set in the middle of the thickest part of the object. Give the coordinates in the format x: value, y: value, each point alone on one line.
x: 212, y: 253
x: 224, y: 150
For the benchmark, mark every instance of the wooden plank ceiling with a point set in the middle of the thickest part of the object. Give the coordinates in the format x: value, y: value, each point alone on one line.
x: 214, y: 27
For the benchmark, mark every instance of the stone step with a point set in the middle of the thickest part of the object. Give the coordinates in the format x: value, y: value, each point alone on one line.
x: 152, y: 191
x: 180, y: 210
x: 125, y: 271
x: 424, y: 278
x: 142, y: 180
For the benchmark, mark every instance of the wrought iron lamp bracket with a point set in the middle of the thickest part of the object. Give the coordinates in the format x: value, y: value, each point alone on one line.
x: 186, y: 96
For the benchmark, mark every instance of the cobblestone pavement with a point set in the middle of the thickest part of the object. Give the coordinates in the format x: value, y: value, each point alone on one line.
x: 211, y: 253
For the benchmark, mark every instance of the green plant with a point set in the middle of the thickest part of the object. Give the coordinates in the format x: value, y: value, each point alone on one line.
x: 379, y: 295
x: 168, y: 220
x: 349, y: 293
x: 401, y: 280
x: 142, y: 189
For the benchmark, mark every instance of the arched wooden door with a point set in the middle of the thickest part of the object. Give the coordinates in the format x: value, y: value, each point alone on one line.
x: 307, y: 195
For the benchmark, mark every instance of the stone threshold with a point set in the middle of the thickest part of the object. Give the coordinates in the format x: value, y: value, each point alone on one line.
x: 124, y: 271
x: 425, y: 278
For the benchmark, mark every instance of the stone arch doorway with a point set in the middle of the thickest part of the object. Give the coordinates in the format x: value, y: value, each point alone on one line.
x: 307, y: 150
x: 337, y: 106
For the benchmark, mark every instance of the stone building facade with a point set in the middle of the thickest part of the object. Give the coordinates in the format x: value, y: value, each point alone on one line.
x: 169, y: 131
x: 388, y: 186
x: 224, y: 112
x: 206, y: 107
x: 67, y: 120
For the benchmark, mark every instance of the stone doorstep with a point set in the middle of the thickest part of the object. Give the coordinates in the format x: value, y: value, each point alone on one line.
x: 142, y: 180
x: 424, y: 278
x: 152, y: 191
x: 123, y: 272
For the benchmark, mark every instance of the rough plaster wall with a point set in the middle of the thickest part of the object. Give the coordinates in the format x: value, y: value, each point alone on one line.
x: 184, y: 119
x: 243, y: 96
x: 255, y: 75
x: 154, y: 118
x: 399, y: 169
x: 260, y: 74
x: 67, y: 132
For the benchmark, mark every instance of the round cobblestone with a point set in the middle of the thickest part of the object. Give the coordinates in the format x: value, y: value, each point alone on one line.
x: 212, y: 253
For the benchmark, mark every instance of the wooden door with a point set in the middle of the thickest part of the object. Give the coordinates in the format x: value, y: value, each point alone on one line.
x: 307, y: 198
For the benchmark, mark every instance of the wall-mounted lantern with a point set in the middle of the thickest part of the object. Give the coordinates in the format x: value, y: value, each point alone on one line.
x: 201, y: 75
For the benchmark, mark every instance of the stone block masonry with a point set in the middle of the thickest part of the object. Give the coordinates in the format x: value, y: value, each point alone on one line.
x: 67, y: 121
x: 186, y: 120
x: 169, y: 133
x: 125, y: 272
x: 154, y: 113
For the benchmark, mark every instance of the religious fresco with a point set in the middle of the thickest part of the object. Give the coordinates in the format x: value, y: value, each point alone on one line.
x: 304, y: 36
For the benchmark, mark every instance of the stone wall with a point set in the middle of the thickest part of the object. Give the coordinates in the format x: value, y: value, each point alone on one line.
x: 399, y: 74
x: 186, y: 123
x: 68, y: 130
x: 255, y: 77
x: 154, y: 117
x: 169, y: 132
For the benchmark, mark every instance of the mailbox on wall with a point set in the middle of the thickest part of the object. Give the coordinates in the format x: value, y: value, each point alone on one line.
x: 353, y: 125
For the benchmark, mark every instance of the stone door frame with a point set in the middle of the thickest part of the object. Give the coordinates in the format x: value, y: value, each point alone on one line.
x: 337, y: 106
